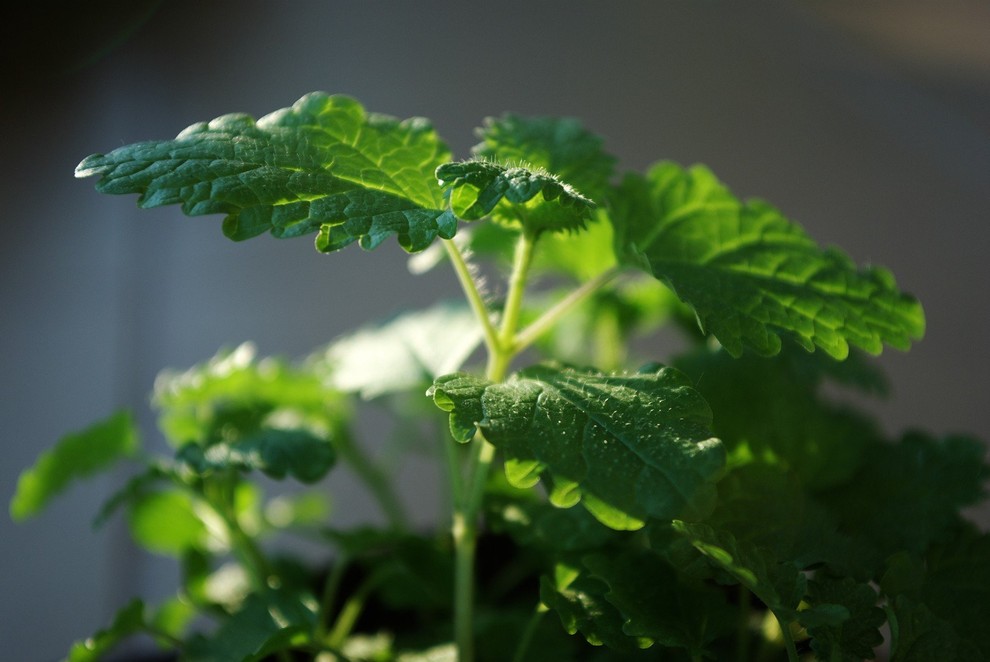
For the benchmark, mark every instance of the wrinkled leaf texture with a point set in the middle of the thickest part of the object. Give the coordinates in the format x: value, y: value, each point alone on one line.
x: 322, y: 164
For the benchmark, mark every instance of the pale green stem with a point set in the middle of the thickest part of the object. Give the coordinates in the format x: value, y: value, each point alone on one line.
x: 501, y: 351
x: 541, y: 325
x: 785, y: 633
x: 474, y: 297
x: 329, y: 597
x: 349, y: 613
x: 527, y: 635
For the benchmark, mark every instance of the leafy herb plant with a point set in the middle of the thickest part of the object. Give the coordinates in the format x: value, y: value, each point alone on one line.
x: 604, y: 506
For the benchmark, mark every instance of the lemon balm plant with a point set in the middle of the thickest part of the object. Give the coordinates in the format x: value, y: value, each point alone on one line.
x: 718, y: 505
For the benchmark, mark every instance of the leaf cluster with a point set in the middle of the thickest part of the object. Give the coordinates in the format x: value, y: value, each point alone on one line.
x: 723, y: 506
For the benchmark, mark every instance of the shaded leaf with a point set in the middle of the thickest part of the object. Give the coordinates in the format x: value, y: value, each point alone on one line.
x: 534, y: 200
x: 656, y: 604
x: 402, y: 353
x: 750, y: 274
x: 629, y: 446
x: 263, y: 626
x: 581, y: 606
x: 323, y: 164
x: 774, y: 405
x: 855, y: 635
x: 75, y: 456
x: 541, y: 525
x: 276, y: 453
x: 778, y: 585
x: 914, y: 489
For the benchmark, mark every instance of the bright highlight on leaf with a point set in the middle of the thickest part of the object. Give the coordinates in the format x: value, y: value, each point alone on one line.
x: 627, y: 446
x: 750, y: 274
x: 75, y: 456
x: 323, y: 164
x: 534, y: 200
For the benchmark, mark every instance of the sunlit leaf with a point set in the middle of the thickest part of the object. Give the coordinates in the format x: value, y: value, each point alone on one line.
x: 629, y: 446
x: 126, y: 622
x: 322, y: 164
x: 750, y: 274
x: 534, y: 200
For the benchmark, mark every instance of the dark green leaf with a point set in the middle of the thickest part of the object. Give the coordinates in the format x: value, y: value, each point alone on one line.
x: 558, y: 145
x: 778, y: 585
x: 752, y: 275
x: 943, y: 597
x: 75, y: 456
x: 914, y: 490
x: 276, y: 453
x: 774, y: 406
x: 630, y: 446
x: 323, y: 164
x: 918, y: 635
x: 403, y: 353
x: 126, y: 622
x: 658, y: 605
x: 263, y: 626
x: 541, y: 525
x: 579, y: 601
x: 851, y: 637
x: 534, y: 200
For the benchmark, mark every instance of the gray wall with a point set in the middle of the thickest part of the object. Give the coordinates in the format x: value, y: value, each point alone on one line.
x: 865, y: 148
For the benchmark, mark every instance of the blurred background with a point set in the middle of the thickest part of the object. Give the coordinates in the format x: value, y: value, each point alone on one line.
x: 867, y: 122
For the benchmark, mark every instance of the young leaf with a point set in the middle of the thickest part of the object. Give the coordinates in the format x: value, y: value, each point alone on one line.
x: 323, y: 164
x: 402, y: 353
x: 75, y: 456
x: 750, y: 274
x: 630, y: 446
x: 535, y: 200
x: 558, y: 145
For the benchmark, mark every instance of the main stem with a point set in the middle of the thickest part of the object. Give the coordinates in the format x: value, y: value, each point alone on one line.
x: 502, y: 348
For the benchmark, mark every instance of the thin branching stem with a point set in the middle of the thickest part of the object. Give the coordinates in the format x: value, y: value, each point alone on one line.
x: 473, y: 295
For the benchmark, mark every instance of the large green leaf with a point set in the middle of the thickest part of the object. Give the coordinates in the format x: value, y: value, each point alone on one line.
x: 558, y: 145
x: 750, y: 274
x: 534, y: 200
x: 166, y: 522
x: 630, y: 446
x: 323, y: 164
x: 75, y: 456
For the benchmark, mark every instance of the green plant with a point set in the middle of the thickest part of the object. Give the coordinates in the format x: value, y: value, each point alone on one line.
x: 722, y: 508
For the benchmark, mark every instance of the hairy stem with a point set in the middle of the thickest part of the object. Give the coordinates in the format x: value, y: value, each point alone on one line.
x: 501, y: 351
x: 785, y: 633
x: 527, y: 635
x: 473, y: 295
